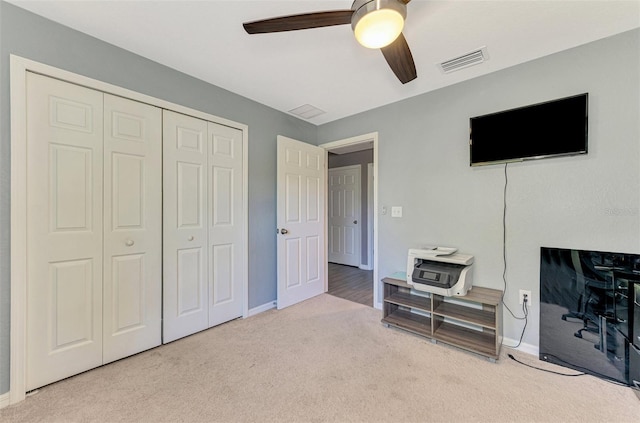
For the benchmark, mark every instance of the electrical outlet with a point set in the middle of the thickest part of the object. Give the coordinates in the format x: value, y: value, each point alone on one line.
x: 521, y: 297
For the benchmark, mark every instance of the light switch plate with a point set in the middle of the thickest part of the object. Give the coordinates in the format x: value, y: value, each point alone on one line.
x: 396, y: 211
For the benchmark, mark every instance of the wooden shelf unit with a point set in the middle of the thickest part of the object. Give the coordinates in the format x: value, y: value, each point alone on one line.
x: 472, y: 322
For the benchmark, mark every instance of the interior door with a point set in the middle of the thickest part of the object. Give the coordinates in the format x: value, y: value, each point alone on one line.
x: 132, y: 227
x: 344, y: 215
x: 300, y: 220
x: 64, y: 230
x: 226, y: 234
x: 185, y: 305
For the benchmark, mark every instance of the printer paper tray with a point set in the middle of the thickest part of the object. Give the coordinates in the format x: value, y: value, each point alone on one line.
x: 432, y: 283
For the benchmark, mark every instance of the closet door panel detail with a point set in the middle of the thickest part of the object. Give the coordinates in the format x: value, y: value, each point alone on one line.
x: 64, y: 230
x: 128, y: 288
x: 185, y: 271
x: 225, y: 223
x: 189, y: 195
x: 189, y: 293
x: 132, y: 226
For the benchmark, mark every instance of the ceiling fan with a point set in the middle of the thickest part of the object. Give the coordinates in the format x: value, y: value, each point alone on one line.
x: 376, y: 24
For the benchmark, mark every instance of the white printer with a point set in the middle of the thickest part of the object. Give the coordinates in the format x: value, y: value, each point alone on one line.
x: 440, y: 270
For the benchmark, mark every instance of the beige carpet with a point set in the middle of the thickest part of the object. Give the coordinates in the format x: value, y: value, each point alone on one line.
x: 325, y: 359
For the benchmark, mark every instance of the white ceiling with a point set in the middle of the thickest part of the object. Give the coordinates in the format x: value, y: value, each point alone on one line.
x: 326, y: 67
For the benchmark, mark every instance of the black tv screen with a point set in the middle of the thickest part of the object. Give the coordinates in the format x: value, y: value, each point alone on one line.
x: 590, y: 312
x: 553, y: 128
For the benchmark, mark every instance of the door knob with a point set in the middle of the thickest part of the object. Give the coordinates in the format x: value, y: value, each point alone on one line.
x: 129, y: 242
x: 355, y: 222
x: 191, y: 238
x: 284, y: 231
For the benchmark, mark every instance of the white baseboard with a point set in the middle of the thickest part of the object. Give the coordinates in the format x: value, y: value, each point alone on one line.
x: 4, y: 400
x: 365, y: 267
x: 525, y: 348
x: 262, y: 308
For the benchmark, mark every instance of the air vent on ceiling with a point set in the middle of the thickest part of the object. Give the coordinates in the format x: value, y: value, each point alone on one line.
x: 306, y: 111
x: 473, y: 58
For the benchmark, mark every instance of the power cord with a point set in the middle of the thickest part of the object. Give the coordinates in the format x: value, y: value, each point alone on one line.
x: 504, y: 245
x: 582, y: 369
x: 543, y: 370
x: 525, y: 308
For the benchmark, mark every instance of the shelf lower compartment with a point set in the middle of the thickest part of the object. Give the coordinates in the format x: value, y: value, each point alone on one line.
x: 467, y: 314
x: 420, y: 325
x: 472, y: 340
x: 409, y: 300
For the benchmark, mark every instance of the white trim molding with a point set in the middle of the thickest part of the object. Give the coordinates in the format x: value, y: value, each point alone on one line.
x: 370, y: 211
x: 262, y: 308
x: 19, y: 67
x: 366, y: 138
x: 4, y: 400
x: 18, y: 347
x: 525, y: 348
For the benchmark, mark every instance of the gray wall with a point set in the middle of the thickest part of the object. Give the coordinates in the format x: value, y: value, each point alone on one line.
x: 30, y: 36
x: 588, y: 202
x: 362, y: 158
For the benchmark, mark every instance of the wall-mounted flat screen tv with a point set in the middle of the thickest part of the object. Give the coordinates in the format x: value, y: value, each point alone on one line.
x: 550, y: 129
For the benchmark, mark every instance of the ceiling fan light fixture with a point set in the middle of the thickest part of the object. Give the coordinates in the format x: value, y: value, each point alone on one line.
x: 377, y: 23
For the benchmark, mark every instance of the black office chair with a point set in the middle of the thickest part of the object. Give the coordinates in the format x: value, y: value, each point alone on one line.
x: 570, y: 264
x: 594, y: 298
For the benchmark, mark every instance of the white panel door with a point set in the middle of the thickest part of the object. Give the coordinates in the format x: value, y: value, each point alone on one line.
x: 64, y: 230
x: 185, y: 276
x: 300, y: 215
x: 226, y: 234
x: 344, y: 215
x: 132, y: 316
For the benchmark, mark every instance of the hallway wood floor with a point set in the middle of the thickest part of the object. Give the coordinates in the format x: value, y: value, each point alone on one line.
x: 351, y: 283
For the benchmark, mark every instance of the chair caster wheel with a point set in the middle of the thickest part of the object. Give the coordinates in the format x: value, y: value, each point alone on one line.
x: 564, y: 318
x: 578, y: 335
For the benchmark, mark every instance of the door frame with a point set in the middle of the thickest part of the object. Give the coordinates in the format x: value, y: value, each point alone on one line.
x: 19, y: 67
x: 370, y: 210
x: 370, y: 138
x: 359, y: 217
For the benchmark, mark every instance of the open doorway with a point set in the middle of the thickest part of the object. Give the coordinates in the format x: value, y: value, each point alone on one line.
x: 351, y: 219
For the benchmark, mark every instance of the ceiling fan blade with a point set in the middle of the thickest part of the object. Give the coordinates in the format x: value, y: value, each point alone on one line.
x: 295, y: 22
x: 400, y: 59
x: 404, y: 1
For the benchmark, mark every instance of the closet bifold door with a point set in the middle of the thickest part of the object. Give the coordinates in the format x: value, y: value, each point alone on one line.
x: 225, y: 223
x: 185, y: 187
x: 64, y: 230
x: 132, y: 315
